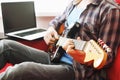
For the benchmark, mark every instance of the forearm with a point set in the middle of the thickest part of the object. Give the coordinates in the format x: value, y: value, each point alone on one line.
x: 110, y: 34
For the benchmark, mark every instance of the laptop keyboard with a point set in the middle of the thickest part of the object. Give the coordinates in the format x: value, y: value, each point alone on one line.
x: 30, y: 32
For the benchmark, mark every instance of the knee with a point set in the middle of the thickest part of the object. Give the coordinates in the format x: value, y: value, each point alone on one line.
x: 20, y: 71
x: 5, y: 42
x: 23, y: 67
x: 8, y: 44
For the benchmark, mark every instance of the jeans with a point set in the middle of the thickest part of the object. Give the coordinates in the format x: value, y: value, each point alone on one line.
x: 30, y: 64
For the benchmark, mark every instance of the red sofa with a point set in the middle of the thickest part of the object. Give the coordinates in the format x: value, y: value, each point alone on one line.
x: 118, y: 1
x: 113, y: 72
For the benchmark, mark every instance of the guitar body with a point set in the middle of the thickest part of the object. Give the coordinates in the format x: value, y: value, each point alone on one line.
x: 95, y: 54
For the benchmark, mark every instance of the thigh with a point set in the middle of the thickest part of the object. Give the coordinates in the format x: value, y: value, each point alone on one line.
x: 16, y: 52
x: 35, y: 71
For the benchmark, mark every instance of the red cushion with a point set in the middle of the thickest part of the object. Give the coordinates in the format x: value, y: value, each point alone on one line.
x: 114, y: 71
x: 118, y: 1
x: 3, y: 69
x: 38, y: 44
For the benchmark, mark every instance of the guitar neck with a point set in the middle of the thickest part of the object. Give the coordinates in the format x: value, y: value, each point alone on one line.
x: 79, y: 44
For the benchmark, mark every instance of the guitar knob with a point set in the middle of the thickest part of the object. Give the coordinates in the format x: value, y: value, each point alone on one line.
x: 109, y: 50
x: 77, y: 24
x: 104, y: 46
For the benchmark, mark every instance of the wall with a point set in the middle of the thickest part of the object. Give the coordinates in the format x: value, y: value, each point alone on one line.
x: 45, y: 7
x: 44, y: 21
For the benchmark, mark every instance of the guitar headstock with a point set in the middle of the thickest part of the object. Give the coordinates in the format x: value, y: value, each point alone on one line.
x: 94, y: 52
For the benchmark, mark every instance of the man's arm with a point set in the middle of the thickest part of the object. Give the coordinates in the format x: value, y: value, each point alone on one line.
x: 110, y: 32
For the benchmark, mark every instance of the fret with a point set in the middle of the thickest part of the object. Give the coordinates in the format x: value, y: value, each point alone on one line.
x: 79, y: 44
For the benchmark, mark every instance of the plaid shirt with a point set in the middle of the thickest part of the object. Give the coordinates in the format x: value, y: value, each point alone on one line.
x: 101, y: 20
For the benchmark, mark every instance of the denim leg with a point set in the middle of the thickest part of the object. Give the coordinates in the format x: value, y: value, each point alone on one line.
x: 38, y: 71
x: 15, y: 52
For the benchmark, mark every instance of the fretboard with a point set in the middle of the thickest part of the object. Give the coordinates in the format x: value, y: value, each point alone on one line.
x: 79, y: 44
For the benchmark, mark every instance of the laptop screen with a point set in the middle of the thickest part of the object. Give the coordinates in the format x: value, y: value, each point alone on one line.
x: 18, y: 16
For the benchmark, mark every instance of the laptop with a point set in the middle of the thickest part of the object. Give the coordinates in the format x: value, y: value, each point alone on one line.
x: 19, y: 20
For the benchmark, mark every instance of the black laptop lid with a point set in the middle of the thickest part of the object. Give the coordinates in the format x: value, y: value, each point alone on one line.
x: 18, y: 16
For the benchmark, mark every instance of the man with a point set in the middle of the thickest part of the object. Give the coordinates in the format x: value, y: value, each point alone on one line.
x: 97, y: 19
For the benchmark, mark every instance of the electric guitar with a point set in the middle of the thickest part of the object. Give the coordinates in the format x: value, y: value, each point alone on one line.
x: 94, y: 52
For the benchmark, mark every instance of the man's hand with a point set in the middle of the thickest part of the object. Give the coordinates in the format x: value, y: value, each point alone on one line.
x: 68, y: 43
x: 51, y: 36
x: 76, y: 54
